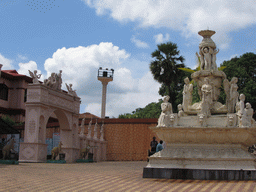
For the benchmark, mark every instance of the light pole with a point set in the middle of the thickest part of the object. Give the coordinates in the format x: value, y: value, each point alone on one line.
x: 105, y: 76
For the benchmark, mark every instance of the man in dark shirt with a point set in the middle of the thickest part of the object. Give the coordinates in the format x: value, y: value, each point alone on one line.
x: 153, y: 145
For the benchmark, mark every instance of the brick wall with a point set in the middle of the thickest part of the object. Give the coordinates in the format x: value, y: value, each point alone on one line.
x: 128, y: 139
x: 128, y: 142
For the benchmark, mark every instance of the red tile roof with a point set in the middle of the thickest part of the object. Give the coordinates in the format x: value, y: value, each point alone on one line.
x: 88, y: 116
x: 13, y: 74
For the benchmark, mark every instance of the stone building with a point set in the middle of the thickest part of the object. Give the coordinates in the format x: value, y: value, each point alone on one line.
x: 13, y: 88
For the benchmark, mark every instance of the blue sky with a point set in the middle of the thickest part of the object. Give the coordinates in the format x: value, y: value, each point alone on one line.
x: 79, y: 36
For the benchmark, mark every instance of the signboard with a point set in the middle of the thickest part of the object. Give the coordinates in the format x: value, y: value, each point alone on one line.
x: 48, y: 141
x: 56, y: 139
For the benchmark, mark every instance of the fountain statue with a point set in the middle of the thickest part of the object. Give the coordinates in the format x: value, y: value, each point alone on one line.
x: 207, y: 139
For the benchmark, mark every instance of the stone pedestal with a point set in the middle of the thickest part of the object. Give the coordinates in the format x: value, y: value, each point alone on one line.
x: 71, y: 154
x: 209, y: 150
x: 98, y: 147
x: 33, y: 152
x: 204, y: 156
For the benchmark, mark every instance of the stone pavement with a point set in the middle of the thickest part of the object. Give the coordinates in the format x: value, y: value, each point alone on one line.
x: 102, y: 176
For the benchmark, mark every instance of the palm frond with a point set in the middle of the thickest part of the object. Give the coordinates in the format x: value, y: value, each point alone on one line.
x: 221, y: 68
x: 187, y: 70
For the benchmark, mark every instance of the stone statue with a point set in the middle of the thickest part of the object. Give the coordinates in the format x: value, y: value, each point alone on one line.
x: 214, y: 53
x: 226, y: 86
x: 102, y: 132
x: 233, y: 95
x: 207, y: 58
x: 56, y: 150
x: 247, y: 118
x: 59, y: 80
x: 207, y: 98
x: 89, y: 135
x: 7, y: 149
x: 70, y: 90
x: 164, y: 119
x: 35, y: 76
x: 173, y: 119
x: 231, y: 120
x: 51, y: 81
x: 82, y: 127
x: 95, y: 131
x: 187, y: 94
x: 201, y: 119
x: 84, y: 151
x: 240, y: 106
x: 207, y: 51
x: 180, y: 111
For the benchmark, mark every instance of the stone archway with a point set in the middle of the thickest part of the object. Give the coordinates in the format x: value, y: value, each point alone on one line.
x: 42, y: 102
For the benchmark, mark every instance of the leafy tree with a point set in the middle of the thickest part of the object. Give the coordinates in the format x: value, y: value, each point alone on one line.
x: 8, y: 120
x: 244, y: 68
x: 152, y: 110
x: 165, y: 70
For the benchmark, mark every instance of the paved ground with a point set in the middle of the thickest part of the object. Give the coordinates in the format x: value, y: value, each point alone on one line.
x: 102, y: 176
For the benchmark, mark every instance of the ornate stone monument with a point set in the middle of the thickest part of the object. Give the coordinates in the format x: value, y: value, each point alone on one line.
x: 208, y: 139
x: 42, y: 101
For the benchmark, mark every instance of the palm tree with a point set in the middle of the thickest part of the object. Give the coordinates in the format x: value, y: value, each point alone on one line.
x: 165, y: 67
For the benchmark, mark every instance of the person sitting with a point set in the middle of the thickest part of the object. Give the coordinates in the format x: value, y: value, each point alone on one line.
x: 159, y: 146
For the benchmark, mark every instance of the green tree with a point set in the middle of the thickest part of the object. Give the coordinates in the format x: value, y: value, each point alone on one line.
x: 8, y: 120
x: 244, y: 68
x: 165, y: 70
x: 152, y: 110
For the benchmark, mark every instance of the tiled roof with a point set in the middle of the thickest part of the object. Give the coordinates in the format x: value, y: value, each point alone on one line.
x: 13, y: 74
x: 88, y: 116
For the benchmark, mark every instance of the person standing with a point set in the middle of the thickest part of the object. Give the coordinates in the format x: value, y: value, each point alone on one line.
x: 153, y: 145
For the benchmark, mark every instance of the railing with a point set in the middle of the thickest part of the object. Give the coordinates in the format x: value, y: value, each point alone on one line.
x: 105, y: 72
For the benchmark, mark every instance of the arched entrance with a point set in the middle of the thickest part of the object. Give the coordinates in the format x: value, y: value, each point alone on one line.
x: 42, y: 102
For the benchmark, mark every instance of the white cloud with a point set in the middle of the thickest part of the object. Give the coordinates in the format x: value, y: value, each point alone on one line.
x: 233, y: 56
x: 31, y: 65
x: 139, y: 43
x: 145, y: 91
x: 124, y: 79
x: 186, y: 15
x: 80, y: 64
x: 7, y: 63
x: 159, y: 38
x: 135, y: 93
x: 94, y: 108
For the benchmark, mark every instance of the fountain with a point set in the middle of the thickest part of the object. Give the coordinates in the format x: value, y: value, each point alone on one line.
x: 208, y: 139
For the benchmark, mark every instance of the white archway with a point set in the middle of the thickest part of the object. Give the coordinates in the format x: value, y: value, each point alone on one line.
x: 42, y: 102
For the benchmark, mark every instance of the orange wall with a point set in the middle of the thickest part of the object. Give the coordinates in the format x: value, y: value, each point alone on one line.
x: 128, y: 139
x: 128, y: 142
